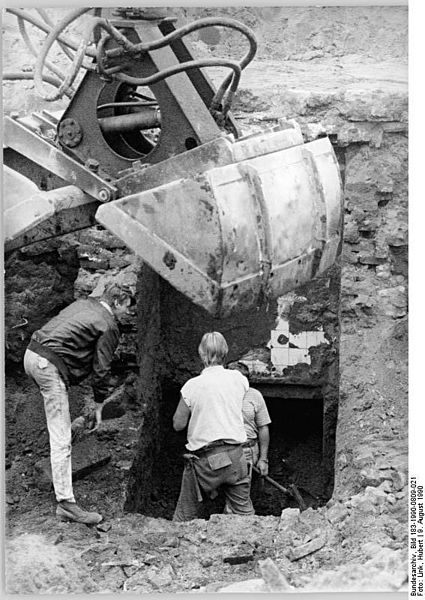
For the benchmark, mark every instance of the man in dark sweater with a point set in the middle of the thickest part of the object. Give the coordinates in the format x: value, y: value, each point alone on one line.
x: 78, y: 342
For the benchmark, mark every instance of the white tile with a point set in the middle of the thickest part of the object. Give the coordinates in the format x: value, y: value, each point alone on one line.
x: 311, y: 339
x: 299, y: 339
x: 292, y: 357
x: 279, y: 356
x: 282, y: 326
x: 306, y: 357
x: 296, y: 356
x: 275, y: 335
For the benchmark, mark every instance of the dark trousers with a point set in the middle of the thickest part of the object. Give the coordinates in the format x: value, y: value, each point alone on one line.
x: 221, y: 467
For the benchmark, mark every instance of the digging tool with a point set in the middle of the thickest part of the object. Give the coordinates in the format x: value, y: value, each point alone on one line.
x: 292, y: 489
x: 87, y: 423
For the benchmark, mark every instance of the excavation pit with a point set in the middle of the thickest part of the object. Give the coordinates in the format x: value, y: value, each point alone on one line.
x: 296, y: 454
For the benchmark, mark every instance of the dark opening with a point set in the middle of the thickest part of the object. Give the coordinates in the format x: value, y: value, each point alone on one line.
x: 295, y: 457
x: 131, y: 141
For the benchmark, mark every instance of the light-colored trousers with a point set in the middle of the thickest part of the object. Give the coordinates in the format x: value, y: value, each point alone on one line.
x: 56, y: 407
x: 252, y: 454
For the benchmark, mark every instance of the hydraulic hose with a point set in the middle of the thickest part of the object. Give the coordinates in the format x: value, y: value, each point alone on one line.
x: 44, y: 27
x: 27, y: 40
x: 190, y: 28
x: 190, y: 64
x: 43, y: 14
x: 77, y: 60
x: 100, y: 57
x: 116, y: 72
x: 15, y: 76
x: 230, y: 83
x: 80, y: 53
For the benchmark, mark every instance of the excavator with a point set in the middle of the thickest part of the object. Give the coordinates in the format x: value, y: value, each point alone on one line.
x: 149, y: 149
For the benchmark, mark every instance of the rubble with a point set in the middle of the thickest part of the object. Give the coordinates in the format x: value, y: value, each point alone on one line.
x: 308, y: 548
x: 273, y: 578
x: 337, y: 513
x: 239, y: 554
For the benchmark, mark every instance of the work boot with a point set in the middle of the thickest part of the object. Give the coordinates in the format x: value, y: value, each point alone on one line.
x: 70, y: 511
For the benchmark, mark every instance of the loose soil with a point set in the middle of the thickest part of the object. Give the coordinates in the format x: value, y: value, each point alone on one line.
x: 133, y: 552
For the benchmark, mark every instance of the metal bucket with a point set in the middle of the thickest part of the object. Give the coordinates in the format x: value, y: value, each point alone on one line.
x: 228, y: 236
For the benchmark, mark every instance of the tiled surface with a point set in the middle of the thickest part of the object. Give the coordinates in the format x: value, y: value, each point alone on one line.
x: 282, y: 355
x: 274, y: 341
x: 279, y: 356
x: 299, y: 339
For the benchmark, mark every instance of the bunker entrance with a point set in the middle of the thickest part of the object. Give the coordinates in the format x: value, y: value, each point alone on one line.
x: 295, y: 454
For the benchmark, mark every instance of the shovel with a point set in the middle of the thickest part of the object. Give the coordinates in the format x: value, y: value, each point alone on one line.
x: 293, y: 490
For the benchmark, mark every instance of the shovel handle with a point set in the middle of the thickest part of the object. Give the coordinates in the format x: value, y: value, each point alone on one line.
x: 292, y: 489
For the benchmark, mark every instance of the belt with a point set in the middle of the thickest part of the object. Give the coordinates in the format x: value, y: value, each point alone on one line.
x: 250, y: 443
x: 211, y: 446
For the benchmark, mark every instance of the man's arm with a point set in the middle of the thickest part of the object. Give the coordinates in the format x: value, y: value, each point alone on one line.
x: 262, y: 420
x: 181, y: 416
x: 103, y: 355
x: 263, y: 443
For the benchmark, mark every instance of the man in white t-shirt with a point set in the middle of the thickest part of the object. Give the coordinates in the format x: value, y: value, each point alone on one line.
x: 211, y: 406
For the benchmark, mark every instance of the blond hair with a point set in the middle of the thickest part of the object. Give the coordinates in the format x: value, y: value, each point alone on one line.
x: 213, y: 349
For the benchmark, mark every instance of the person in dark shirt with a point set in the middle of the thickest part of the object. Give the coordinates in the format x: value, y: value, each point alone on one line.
x: 78, y: 342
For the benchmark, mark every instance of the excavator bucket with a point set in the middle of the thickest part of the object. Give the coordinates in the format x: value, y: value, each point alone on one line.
x: 228, y: 223
x: 261, y: 225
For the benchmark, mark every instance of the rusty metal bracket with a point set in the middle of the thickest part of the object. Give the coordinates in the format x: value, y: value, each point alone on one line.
x: 29, y: 144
